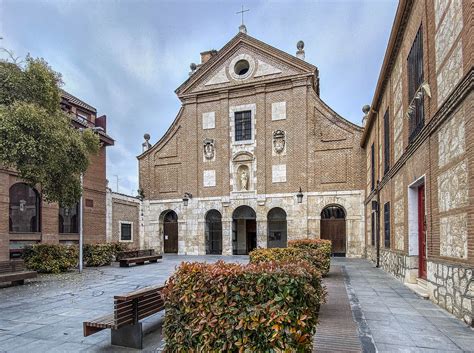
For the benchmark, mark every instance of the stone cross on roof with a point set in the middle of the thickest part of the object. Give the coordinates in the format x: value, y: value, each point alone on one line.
x: 242, y: 27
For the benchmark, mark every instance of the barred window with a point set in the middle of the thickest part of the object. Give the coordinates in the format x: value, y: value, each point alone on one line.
x: 372, y: 167
x: 125, y: 231
x: 386, y: 141
x: 386, y: 222
x: 69, y: 219
x: 415, y: 79
x: 243, y: 126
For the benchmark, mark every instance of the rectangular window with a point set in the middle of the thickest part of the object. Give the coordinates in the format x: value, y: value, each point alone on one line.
x: 372, y: 167
x: 243, y: 126
x: 82, y: 116
x: 386, y: 223
x: 415, y: 79
x: 373, y: 229
x: 125, y: 231
x: 386, y: 141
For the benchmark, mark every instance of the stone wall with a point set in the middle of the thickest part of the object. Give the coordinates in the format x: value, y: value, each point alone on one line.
x: 123, y: 209
x: 303, y: 219
x: 452, y: 287
x: 398, y: 264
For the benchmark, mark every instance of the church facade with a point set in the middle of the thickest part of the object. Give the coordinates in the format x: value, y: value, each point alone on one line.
x: 253, y: 159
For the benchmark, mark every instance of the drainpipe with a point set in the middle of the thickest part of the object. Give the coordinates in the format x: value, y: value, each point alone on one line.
x: 377, y: 226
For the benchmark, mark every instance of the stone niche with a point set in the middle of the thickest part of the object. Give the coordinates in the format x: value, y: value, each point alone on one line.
x: 243, y: 172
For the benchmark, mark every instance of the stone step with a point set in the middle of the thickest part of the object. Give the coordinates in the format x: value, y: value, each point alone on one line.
x: 422, y: 283
x: 422, y: 292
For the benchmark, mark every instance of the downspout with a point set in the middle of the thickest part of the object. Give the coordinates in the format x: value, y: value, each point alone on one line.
x: 377, y: 226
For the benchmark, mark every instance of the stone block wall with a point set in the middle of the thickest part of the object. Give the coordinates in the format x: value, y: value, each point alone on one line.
x: 303, y: 220
x: 452, y: 287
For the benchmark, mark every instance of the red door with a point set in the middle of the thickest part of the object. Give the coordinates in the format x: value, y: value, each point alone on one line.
x: 421, y: 233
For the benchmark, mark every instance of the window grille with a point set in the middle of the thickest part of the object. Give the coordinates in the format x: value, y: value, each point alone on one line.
x: 415, y: 79
x: 372, y: 167
x: 243, y: 126
x: 386, y: 221
x: 125, y: 232
x: 386, y: 140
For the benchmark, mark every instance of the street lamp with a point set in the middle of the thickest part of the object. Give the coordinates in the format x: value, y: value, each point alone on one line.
x: 186, y: 198
x: 299, y: 196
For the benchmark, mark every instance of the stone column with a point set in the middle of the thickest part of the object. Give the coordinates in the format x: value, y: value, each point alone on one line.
x: 226, y: 236
x: 182, y: 235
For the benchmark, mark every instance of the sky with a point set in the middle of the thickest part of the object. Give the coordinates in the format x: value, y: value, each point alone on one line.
x: 126, y: 58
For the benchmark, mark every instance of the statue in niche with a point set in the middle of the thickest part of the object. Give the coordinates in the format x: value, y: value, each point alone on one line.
x: 279, y: 141
x: 244, y: 179
x: 209, y: 150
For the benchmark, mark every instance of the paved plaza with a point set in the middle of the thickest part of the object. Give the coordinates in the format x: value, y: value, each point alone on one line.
x: 46, y: 315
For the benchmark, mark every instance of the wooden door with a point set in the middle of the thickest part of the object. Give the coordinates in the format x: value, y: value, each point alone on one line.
x: 215, y: 237
x: 170, y: 234
x: 251, y: 228
x: 421, y: 233
x: 335, y: 230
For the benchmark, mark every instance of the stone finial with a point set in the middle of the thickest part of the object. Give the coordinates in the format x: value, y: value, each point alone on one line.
x: 365, y: 110
x: 300, y: 52
x: 242, y: 29
x: 146, y: 145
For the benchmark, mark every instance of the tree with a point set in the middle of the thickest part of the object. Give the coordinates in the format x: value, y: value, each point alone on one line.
x: 37, y: 138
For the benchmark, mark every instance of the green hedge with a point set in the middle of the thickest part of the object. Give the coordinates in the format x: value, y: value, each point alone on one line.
x: 50, y: 258
x: 56, y: 258
x: 316, y: 257
x: 101, y: 254
x: 323, y: 246
x: 265, y: 307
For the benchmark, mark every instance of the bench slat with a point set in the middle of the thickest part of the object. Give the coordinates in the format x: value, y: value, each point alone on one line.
x: 139, y: 293
x: 17, y: 276
x: 149, y: 301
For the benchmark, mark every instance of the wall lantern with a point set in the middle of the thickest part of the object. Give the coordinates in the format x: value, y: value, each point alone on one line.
x: 186, y: 198
x: 299, y: 196
x: 375, y: 206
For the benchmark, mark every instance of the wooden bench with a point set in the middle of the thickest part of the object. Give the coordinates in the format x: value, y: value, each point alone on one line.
x: 129, y: 309
x: 15, y: 272
x: 138, y: 257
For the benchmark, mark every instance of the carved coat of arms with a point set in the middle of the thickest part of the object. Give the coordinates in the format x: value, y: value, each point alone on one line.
x: 209, y: 150
x: 279, y: 141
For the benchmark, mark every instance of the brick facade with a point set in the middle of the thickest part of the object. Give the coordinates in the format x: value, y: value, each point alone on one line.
x: 94, y: 180
x: 321, y: 152
x: 123, y: 209
x: 440, y: 158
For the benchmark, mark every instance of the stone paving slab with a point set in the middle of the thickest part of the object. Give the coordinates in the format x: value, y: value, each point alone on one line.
x: 46, y: 314
x: 337, y: 330
x: 396, y: 319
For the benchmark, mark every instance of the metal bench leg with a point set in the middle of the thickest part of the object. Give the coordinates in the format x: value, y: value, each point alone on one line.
x: 130, y: 336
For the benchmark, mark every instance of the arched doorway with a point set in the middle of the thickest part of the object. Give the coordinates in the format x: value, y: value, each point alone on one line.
x: 213, y: 232
x: 333, y: 227
x: 170, y: 232
x: 277, y: 229
x: 24, y: 209
x: 244, y: 230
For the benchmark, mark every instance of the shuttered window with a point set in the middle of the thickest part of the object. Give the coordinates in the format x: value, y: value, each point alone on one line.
x: 243, y: 126
x: 386, y: 223
x: 386, y: 141
x: 372, y: 167
x: 415, y: 79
